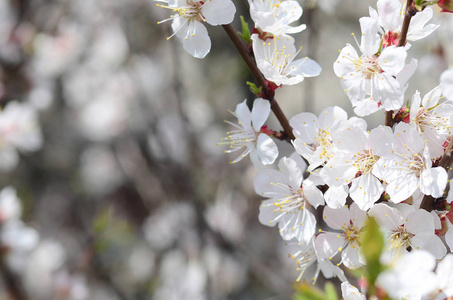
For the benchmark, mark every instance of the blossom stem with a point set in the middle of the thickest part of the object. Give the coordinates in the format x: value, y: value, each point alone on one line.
x: 410, y: 12
x: 389, y: 118
x: 251, y: 63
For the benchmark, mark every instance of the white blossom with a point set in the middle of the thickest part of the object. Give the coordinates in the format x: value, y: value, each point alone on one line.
x: 409, y: 167
x: 371, y: 76
x: 275, y: 57
x: 188, y: 16
x: 274, y: 16
x: 432, y: 119
x: 407, y: 227
x: 289, y: 200
x: 356, y: 161
x: 349, y: 223
x: 411, y: 277
x: 390, y: 16
x: 247, y: 135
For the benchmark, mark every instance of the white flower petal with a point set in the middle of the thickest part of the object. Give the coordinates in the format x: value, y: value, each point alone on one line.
x: 446, y: 83
x: 260, y: 113
x: 336, y: 218
x: 433, y: 181
x: 335, y: 197
x: 218, y: 12
x: 266, y: 149
x: 366, y: 190
x: 386, y: 216
x: 194, y: 37
x: 429, y: 242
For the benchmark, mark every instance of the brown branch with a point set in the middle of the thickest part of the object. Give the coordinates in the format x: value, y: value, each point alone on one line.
x: 389, y: 118
x: 410, y: 12
x: 260, y: 80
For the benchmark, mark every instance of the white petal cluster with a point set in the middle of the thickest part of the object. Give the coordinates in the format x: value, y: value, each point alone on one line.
x: 390, y: 15
x: 188, y: 16
x: 275, y: 57
x: 275, y: 16
x: 409, y: 167
x: 289, y: 200
x: 247, y: 136
x: 432, y: 119
x: 346, y: 173
x: 19, y: 130
x: 348, y: 223
x: 377, y: 78
x: 371, y: 79
x: 274, y: 50
x: 408, y: 228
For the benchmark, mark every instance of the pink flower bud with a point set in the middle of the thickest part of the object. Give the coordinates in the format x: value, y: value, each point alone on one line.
x: 446, y: 5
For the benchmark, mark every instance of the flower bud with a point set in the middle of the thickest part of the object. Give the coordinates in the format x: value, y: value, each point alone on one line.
x: 446, y: 5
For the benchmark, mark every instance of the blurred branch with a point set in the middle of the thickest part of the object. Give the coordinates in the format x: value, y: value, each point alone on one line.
x: 134, y: 166
x: 12, y: 282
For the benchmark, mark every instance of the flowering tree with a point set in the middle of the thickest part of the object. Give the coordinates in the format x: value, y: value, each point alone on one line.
x: 371, y: 207
x: 113, y: 188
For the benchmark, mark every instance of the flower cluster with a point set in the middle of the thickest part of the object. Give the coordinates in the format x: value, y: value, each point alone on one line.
x: 344, y: 172
x: 275, y: 51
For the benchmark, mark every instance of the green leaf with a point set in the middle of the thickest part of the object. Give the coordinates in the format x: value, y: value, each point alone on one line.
x: 305, y: 291
x: 253, y: 88
x: 372, y: 246
x: 331, y: 291
x: 245, y: 34
x: 102, y: 220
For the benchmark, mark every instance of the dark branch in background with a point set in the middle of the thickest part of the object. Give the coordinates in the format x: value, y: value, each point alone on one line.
x: 410, y: 12
x: 250, y: 61
x: 12, y: 282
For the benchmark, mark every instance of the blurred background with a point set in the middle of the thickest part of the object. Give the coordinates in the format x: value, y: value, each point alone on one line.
x: 114, y: 188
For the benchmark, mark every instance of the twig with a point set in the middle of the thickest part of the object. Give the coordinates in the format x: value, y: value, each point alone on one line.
x: 250, y: 61
x: 410, y: 12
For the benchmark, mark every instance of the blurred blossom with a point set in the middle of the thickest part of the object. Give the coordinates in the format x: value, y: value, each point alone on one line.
x: 188, y: 282
x: 328, y: 6
x: 19, y: 239
x: 53, y: 55
x: 150, y: 76
x: 225, y: 215
x: 168, y: 223
x: 227, y: 273
x: 71, y: 286
x: 199, y: 113
x: 172, y: 133
x: 43, y: 261
x: 41, y: 96
x: 110, y: 48
x: 99, y: 170
x: 19, y: 129
x: 141, y: 263
x: 105, y: 115
x: 10, y: 206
